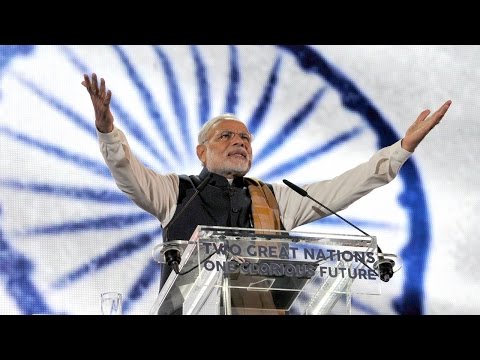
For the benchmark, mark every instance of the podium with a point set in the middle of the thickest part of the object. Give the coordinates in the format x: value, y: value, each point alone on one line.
x: 239, y: 271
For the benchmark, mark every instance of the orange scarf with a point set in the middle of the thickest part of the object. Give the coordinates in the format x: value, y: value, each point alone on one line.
x: 265, y: 211
x: 266, y: 215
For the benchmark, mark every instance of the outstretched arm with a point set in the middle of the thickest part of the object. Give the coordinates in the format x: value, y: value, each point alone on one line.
x: 101, y: 103
x: 422, y: 126
x: 338, y: 193
x: 153, y: 192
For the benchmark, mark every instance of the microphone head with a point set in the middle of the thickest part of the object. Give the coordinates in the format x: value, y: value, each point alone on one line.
x: 385, y: 268
x: 295, y: 188
x: 173, y: 259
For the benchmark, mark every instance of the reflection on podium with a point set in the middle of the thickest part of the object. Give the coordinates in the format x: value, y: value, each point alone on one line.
x: 236, y: 271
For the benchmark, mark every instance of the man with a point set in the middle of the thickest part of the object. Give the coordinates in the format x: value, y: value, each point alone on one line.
x: 229, y: 198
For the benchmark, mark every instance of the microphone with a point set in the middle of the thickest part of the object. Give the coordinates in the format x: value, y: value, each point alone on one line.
x: 385, y: 266
x: 172, y: 256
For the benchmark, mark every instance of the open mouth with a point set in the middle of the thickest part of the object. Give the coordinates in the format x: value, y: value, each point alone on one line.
x: 239, y: 154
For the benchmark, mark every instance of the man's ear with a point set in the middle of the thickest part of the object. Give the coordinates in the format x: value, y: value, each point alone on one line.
x: 201, y: 153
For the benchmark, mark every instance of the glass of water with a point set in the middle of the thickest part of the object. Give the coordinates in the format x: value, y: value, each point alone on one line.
x: 111, y: 303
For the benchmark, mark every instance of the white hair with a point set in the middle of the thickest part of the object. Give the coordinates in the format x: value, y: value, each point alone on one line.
x: 203, y: 134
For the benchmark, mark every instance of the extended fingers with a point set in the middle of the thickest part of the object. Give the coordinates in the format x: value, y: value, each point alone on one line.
x: 102, y: 87
x: 89, y: 84
x: 107, y: 98
x: 93, y: 90
x: 444, y: 108
x: 438, y: 115
x: 86, y: 82
x: 422, y: 116
x: 94, y: 84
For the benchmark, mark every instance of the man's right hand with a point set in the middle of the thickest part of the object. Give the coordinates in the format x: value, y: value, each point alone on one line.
x: 101, y: 103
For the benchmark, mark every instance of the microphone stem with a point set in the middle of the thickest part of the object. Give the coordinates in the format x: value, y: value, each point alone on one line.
x: 384, y: 277
x: 334, y: 213
x: 172, y: 257
x: 385, y: 266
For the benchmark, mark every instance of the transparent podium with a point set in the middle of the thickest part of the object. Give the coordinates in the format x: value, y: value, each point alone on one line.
x: 236, y: 271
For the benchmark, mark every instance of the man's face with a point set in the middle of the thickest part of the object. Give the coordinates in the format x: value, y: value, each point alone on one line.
x: 228, y: 149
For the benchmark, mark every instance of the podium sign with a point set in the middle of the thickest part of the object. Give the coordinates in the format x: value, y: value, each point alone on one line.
x: 227, y: 271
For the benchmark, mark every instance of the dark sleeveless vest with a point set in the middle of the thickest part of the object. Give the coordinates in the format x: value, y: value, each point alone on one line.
x: 218, y: 204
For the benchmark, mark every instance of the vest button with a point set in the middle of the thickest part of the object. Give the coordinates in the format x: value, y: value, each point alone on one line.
x: 235, y: 210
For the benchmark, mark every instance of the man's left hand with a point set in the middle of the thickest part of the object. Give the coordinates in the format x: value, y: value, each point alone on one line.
x: 422, y: 126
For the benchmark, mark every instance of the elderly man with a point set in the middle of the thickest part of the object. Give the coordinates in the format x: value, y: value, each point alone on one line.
x: 230, y: 198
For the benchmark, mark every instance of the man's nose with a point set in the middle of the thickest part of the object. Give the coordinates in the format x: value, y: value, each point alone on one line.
x: 237, y: 140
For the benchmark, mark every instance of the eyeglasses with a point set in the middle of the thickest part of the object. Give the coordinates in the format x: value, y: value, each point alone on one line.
x: 227, y: 135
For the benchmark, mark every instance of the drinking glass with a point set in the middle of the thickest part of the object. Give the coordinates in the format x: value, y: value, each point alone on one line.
x: 111, y: 303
